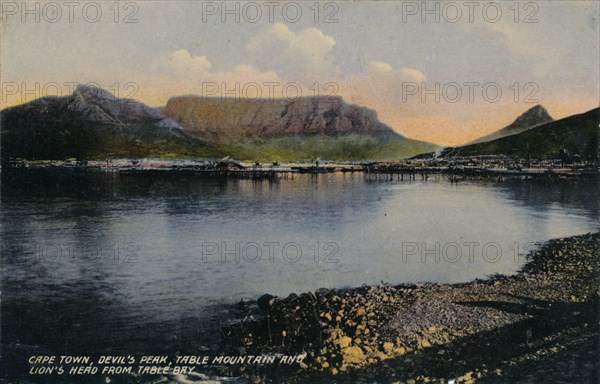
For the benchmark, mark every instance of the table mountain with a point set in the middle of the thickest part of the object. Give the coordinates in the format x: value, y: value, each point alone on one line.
x: 285, y: 129
x: 222, y: 121
x: 93, y: 124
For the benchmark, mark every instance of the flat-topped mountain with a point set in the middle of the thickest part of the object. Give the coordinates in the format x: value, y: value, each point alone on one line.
x: 89, y: 123
x: 283, y: 129
x: 532, y: 118
x: 220, y: 121
x: 93, y: 124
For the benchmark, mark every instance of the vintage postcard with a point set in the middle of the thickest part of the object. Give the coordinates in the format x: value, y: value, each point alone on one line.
x: 299, y: 191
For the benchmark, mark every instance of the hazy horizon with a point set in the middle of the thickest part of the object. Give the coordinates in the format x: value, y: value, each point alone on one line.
x: 409, y: 61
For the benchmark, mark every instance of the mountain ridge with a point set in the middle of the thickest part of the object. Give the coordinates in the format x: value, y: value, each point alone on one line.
x: 533, y: 117
x: 567, y: 138
x: 90, y: 122
x: 218, y: 120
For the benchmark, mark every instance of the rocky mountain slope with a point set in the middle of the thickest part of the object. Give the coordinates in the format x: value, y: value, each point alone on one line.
x: 87, y: 124
x: 221, y: 121
x: 92, y: 123
x: 291, y: 129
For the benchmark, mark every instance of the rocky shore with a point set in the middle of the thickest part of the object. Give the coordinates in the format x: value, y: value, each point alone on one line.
x: 540, y: 325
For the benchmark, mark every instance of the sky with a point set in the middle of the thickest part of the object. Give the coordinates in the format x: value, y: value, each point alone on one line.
x: 445, y: 72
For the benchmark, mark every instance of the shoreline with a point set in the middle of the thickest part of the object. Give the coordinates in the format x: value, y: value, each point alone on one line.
x: 409, y: 169
x: 539, y: 325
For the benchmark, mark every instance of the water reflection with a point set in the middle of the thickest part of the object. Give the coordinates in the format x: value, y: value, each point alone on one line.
x: 142, y: 266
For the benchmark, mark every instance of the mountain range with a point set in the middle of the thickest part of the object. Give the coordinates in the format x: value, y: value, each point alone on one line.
x: 92, y: 124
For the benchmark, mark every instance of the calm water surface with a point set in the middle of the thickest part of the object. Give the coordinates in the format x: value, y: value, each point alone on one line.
x: 96, y: 261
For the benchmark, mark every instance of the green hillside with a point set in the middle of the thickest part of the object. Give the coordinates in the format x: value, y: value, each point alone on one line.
x: 347, y: 147
x: 573, y: 135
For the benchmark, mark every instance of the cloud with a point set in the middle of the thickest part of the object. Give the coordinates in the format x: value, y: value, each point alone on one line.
x: 380, y: 84
x: 277, y: 33
x: 300, y: 54
x: 385, y: 72
x: 180, y: 72
x: 181, y: 63
x: 273, y: 54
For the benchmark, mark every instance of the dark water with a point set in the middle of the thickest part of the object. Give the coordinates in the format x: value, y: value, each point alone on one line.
x: 96, y: 262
